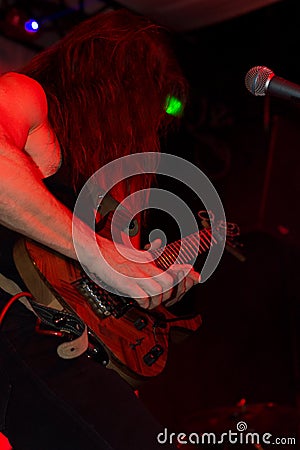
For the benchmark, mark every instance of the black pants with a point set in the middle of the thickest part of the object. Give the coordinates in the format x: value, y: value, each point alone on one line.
x: 49, y: 403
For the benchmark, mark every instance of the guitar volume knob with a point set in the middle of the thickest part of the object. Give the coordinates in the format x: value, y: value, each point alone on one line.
x: 152, y: 356
x: 140, y: 323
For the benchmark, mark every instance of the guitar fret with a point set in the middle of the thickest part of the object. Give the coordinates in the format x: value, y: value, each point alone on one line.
x: 172, y: 253
x: 207, y: 241
x: 204, y: 243
x: 213, y: 239
x: 189, y: 246
x: 162, y: 262
x: 168, y: 256
x: 184, y: 252
x: 196, y: 243
x: 199, y: 243
x: 202, y: 246
x: 180, y: 256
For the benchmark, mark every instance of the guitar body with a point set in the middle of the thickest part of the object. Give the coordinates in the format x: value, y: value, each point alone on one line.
x: 135, y: 339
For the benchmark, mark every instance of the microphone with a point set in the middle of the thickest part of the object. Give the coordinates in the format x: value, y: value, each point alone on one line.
x: 262, y: 81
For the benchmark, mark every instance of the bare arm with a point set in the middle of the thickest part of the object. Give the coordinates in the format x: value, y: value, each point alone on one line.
x: 28, y: 207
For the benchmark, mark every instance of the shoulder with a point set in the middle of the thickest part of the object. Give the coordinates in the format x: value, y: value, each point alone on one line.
x: 18, y: 80
x: 23, y: 97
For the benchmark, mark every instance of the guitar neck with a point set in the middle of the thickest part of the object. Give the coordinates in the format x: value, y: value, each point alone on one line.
x: 184, y: 251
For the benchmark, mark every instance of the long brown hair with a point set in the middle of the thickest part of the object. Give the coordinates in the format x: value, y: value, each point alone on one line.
x: 106, y: 83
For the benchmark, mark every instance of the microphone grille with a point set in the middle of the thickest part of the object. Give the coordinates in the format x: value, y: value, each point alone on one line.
x: 257, y: 79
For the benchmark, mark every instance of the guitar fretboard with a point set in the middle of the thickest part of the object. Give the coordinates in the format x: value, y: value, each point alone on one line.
x: 184, y: 251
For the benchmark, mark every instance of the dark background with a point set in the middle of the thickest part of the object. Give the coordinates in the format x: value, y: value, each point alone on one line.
x: 247, y: 347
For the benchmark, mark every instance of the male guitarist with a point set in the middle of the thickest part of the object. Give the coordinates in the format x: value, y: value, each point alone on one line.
x: 98, y: 94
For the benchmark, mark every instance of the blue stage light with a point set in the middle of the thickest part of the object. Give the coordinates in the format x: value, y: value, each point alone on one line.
x: 31, y: 26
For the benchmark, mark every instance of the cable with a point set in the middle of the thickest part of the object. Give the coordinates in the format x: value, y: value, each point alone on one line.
x: 10, y: 302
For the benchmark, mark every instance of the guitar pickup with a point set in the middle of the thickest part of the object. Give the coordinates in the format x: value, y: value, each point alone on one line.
x: 151, y: 357
x: 102, y: 302
x: 99, y: 300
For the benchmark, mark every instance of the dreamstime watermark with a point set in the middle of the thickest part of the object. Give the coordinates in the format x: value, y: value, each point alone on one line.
x: 241, y: 437
x: 103, y: 180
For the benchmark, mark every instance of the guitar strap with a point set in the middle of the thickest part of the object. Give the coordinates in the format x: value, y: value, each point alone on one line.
x: 13, y: 288
x: 56, y: 319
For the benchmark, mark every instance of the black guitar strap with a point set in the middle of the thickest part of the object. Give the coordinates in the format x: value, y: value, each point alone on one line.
x: 56, y: 319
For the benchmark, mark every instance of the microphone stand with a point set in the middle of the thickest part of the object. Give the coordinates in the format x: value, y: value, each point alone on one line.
x: 270, y: 128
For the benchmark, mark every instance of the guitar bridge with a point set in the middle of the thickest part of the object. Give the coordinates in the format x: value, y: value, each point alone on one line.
x: 101, y: 301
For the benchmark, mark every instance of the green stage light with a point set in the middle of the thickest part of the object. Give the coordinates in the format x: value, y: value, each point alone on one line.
x: 174, y: 106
